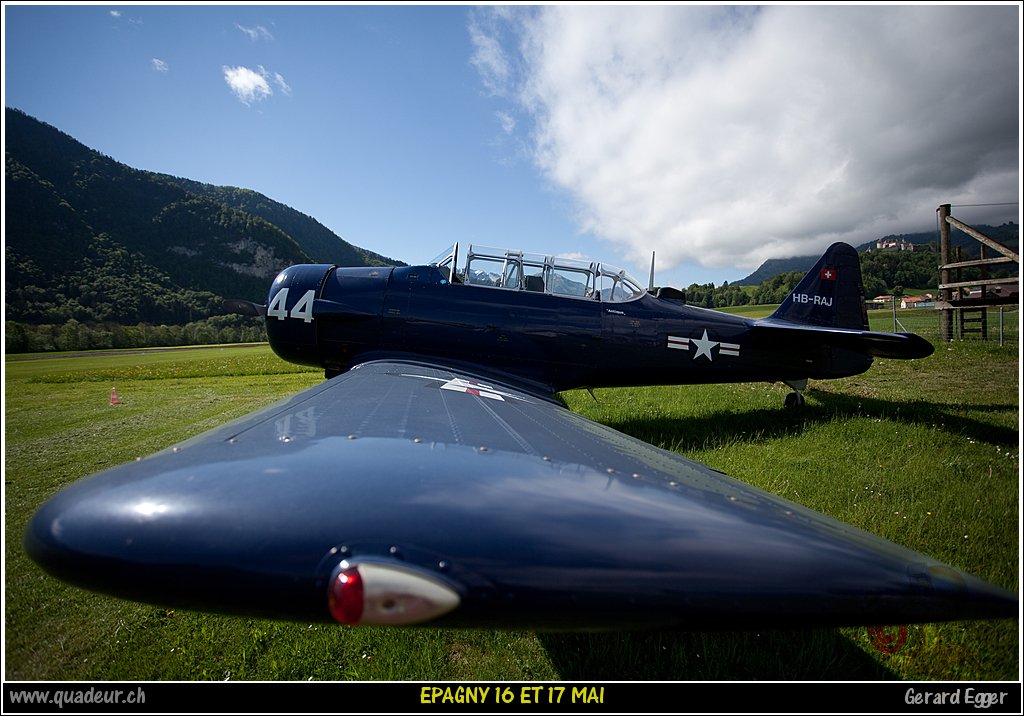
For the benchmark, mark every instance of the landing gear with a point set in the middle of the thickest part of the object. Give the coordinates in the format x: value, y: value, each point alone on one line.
x: 796, y: 398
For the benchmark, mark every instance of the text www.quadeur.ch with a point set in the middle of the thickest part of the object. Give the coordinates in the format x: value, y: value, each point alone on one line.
x: 76, y: 697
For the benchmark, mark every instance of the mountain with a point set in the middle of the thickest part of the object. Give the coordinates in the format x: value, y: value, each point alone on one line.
x: 92, y: 239
x: 773, y: 267
x: 322, y: 244
x: 1006, y: 234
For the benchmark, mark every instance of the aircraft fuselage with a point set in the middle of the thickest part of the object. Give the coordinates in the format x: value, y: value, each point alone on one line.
x: 337, y: 317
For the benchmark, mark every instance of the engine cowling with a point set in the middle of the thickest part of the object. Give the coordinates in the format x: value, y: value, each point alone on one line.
x: 291, y: 324
x: 325, y: 316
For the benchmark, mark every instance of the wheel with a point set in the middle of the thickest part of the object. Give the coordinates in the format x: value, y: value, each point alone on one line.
x: 794, y: 400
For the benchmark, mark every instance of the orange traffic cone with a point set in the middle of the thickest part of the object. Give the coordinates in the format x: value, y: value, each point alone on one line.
x: 114, y: 400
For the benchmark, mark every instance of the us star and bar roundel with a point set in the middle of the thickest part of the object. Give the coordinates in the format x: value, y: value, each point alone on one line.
x: 703, y: 346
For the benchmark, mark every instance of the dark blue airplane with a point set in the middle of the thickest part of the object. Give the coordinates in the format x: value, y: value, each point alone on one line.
x: 435, y: 478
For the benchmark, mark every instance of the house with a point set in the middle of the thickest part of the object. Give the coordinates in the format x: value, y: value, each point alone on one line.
x: 1006, y: 291
x: 1011, y: 292
x: 925, y: 301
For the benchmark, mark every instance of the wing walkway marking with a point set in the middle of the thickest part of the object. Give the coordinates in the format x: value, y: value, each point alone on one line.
x: 461, y: 385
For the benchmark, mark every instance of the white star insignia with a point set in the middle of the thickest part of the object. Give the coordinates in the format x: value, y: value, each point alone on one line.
x: 704, y: 346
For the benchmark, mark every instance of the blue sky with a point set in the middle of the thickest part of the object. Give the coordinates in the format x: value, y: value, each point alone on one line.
x: 705, y: 133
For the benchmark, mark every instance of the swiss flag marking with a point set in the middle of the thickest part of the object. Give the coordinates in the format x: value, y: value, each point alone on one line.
x: 828, y: 274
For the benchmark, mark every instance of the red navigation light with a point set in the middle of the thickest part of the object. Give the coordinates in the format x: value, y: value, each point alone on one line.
x: 345, y: 598
x: 376, y: 593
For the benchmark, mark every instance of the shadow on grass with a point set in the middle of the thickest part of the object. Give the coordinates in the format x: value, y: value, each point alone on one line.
x: 723, y: 428
x: 804, y: 655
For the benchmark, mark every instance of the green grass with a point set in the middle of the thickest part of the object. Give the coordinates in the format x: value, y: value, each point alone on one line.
x: 751, y: 311
x: 925, y: 453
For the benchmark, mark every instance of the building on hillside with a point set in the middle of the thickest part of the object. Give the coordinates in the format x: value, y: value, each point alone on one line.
x: 891, y: 244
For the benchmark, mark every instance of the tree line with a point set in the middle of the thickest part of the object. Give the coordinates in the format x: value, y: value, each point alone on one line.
x: 773, y: 290
x: 75, y: 336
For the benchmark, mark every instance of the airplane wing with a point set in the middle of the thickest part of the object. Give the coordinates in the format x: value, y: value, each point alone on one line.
x: 781, y: 333
x: 405, y: 492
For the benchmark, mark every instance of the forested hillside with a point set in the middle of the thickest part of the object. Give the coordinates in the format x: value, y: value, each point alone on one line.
x: 93, y: 240
x: 322, y: 244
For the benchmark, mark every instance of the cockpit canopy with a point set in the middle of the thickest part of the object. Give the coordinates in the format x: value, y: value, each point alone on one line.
x: 517, y: 271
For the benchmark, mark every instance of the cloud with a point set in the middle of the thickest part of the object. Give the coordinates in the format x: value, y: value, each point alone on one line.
x: 507, y: 121
x: 256, y: 33
x: 725, y: 135
x: 281, y: 84
x: 117, y: 14
x: 574, y: 255
x: 159, y: 65
x: 254, y: 85
x: 489, y: 57
x: 249, y: 86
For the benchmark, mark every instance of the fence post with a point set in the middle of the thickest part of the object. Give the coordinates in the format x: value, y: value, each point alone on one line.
x: 946, y: 326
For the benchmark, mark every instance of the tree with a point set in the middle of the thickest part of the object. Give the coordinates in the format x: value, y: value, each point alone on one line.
x: 70, y: 336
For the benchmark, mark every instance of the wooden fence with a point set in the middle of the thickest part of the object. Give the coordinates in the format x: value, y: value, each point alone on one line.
x: 964, y: 304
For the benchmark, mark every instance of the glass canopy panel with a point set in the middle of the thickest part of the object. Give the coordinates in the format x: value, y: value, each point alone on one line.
x: 514, y: 269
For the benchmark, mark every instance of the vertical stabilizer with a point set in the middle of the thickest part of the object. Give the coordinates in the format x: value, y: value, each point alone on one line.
x: 831, y: 295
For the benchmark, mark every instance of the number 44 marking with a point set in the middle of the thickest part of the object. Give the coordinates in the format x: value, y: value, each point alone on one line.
x: 303, y: 309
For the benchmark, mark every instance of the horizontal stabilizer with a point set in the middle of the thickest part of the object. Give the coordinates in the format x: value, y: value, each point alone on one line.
x: 771, y: 331
x: 827, y: 308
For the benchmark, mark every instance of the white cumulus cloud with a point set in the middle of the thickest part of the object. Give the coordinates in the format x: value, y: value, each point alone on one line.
x: 254, y: 85
x: 247, y: 85
x: 725, y: 135
x: 159, y: 65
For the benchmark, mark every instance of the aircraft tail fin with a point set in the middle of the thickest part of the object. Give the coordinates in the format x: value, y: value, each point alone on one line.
x: 831, y: 295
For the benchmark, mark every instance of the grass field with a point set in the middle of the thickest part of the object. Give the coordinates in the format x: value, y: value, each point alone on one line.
x: 924, y: 453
